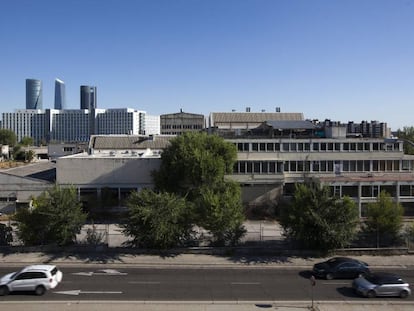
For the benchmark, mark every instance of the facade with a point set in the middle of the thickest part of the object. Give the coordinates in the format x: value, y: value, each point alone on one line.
x: 34, y: 94
x: 120, y: 121
x: 26, y: 123
x: 76, y: 125
x: 113, y: 167
x: 88, y: 97
x: 70, y: 125
x: 179, y: 123
x: 271, y: 159
x: 152, y: 125
x: 60, y: 95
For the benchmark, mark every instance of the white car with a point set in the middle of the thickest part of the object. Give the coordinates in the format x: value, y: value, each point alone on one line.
x: 37, y: 278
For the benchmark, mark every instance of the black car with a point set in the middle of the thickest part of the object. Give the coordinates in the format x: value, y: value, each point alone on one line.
x: 340, y: 268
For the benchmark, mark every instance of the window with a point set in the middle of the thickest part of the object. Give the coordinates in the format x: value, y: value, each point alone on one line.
x: 256, y: 167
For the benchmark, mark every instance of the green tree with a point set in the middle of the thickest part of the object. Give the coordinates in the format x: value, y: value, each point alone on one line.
x: 18, y: 153
x: 7, y: 137
x: 158, y: 220
x: 407, y: 134
x: 194, y: 160
x: 194, y: 166
x: 318, y: 220
x: 55, y: 218
x: 30, y: 155
x: 384, y: 219
x: 220, y: 211
x: 26, y: 141
x: 6, y: 236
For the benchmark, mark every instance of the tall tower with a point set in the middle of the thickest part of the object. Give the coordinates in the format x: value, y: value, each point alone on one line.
x: 34, y: 94
x: 60, y: 95
x: 87, y: 97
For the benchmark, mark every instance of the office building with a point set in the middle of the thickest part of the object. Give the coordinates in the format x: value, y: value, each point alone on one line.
x: 74, y: 125
x: 34, y: 94
x: 120, y: 121
x: 60, y: 95
x: 88, y: 97
x: 181, y: 122
x: 26, y: 123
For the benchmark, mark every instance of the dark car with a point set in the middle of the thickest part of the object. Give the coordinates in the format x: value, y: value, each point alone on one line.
x: 381, y: 284
x: 340, y: 268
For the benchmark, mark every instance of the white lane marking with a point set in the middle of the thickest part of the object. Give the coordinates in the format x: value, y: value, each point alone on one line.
x: 103, y: 272
x: 77, y: 292
x: 245, y: 283
x: 144, y: 283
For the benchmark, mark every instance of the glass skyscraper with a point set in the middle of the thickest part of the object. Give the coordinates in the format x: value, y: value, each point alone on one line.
x: 34, y: 94
x: 60, y: 95
x: 88, y: 97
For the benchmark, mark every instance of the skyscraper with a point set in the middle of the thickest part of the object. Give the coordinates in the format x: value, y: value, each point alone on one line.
x: 60, y: 95
x: 34, y: 94
x: 88, y: 97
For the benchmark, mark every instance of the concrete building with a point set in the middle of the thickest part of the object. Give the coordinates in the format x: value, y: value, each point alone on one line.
x: 181, y: 122
x: 152, y: 125
x: 271, y: 159
x: 113, y: 167
x: 19, y: 185
x: 34, y: 94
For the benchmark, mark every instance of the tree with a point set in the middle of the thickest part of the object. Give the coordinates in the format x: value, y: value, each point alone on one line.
x: 407, y: 134
x: 220, y: 211
x: 158, y: 220
x: 55, y: 218
x: 194, y: 166
x: 26, y: 141
x: 318, y: 220
x: 7, y: 137
x: 384, y: 218
x: 194, y: 160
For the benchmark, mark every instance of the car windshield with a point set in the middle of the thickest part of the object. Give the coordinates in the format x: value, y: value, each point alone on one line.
x: 54, y: 271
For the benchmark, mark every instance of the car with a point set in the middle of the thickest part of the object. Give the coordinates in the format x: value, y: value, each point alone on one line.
x: 381, y: 284
x: 340, y: 268
x: 36, y: 278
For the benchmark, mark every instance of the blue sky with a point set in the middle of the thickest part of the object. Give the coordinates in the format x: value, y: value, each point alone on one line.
x: 343, y: 60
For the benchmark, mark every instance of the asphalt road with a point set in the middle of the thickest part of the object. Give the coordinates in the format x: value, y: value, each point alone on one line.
x: 193, y: 284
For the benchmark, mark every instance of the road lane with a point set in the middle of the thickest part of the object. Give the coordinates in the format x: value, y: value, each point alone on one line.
x: 194, y: 284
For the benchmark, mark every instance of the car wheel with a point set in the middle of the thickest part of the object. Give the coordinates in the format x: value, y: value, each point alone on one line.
x: 403, y: 294
x: 4, y: 290
x: 371, y: 294
x: 40, y: 290
x: 329, y: 276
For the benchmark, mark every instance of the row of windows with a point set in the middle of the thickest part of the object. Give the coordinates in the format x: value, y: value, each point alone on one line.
x: 367, y: 191
x: 182, y: 126
x: 317, y: 146
x: 269, y: 167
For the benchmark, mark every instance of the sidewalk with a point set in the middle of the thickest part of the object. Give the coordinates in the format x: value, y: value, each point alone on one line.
x: 376, y: 262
